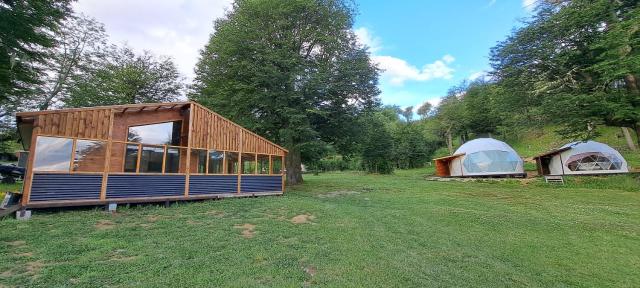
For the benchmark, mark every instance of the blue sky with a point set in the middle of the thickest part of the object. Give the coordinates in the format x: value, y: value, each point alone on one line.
x: 428, y: 46
x: 425, y: 46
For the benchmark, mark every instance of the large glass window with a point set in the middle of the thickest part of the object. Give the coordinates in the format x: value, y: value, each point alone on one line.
x: 216, y: 160
x: 89, y: 156
x: 131, y: 158
x: 198, y: 161
x: 491, y: 161
x: 52, y: 154
x: 276, y: 164
x: 232, y: 162
x: 248, y: 163
x: 151, y: 159
x: 263, y: 164
x: 167, y: 133
x: 172, y: 160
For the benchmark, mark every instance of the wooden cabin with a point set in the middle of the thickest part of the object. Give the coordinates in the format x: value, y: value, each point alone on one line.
x: 143, y: 153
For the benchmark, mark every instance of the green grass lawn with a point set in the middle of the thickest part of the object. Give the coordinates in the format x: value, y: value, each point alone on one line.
x: 17, y: 187
x: 352, y: 230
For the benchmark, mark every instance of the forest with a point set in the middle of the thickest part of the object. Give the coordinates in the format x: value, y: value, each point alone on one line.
x: 294, y: 72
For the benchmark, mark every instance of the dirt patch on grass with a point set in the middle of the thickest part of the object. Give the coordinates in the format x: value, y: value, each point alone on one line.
x: 310, y: 270
x: 302, y: 219
x: 25, y: 254
x: 16, y: 243
x: 248, y: 230
x: 34, y: 267
x: 214, y: 213
x: 527, y: 181
x: 7, y: 273
x: 192, y: 222
x: 153, y: 218
x: 105, y: 225
x: 338, y: 193
x: 123, y: 258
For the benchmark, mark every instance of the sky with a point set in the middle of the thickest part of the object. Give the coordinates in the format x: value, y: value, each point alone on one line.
x: 423, y: 47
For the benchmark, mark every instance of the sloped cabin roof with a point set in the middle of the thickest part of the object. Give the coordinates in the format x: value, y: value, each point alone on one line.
x: 209, y: 130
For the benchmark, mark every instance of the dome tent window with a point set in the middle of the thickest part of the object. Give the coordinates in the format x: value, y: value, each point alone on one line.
x: 593, y: 161
x: 491, y: 161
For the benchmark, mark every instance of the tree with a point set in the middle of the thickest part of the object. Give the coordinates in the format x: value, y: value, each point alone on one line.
x: 81, y: 42
x: 290, y: 70
x: 407, y: 113
x: 424, y: 110
x: 27, y: 29
x: 126, y: 78
x: 577, y: 62
x: 377, y: 145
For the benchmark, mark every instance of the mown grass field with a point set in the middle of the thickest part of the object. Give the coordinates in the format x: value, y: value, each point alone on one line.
x: 345, y: 230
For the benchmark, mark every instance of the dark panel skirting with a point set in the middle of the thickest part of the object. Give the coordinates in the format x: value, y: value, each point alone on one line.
x: 54, y: 187
x: 133, y: 186
x: 253, y: 184
x: 212, y: 184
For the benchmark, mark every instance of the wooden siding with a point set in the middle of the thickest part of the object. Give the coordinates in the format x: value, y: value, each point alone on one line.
x: 92, y: 124
x: 212, y: 131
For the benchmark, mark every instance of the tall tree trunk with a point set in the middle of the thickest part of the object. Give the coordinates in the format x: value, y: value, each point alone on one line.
x: 637, y: 128
x: 449, y: 141
x: 632, y: 84
x: 627, y: 137
x: 293, y: 165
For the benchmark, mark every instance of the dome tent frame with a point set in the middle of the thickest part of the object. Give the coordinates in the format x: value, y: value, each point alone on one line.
x: 482, y: 157
x: 581, y: 158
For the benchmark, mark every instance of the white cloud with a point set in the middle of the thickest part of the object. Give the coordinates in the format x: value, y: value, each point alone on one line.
x: 367, y: 39
x: 176, y: 28
x: 397, y: 71
x: 529, y: 5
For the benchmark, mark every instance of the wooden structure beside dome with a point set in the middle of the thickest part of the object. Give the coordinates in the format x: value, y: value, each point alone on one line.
x: 143, y: 153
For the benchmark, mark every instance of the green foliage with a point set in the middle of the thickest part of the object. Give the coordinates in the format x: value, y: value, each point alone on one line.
x: 410, y: 148
x: 27, y: 29
x: 291, y: 71
x: 576, y: 62
x: 124, y: 77
x: 377, y: 145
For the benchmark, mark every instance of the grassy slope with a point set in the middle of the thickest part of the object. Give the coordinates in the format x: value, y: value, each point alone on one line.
x: 397, y: 230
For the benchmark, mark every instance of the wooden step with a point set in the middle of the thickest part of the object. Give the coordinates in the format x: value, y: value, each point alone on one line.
x: 554, y: 179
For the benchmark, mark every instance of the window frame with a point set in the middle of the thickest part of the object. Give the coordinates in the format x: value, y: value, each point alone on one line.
x: 139, y: 145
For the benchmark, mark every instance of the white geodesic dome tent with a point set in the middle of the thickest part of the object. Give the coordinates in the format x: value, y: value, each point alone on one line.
x: 486, y: 157
x: 581, y: 158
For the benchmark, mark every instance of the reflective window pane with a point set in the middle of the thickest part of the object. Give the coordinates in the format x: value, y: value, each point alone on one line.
x: 276, y: 164
x: 167, y: 133
x: 198, y: 161
x: 232, y: 162
x: 172, y: 160
x: 248, y: 163
x: 151, y: 159
x: 131, y: 158
x: 89, y: 156
x: 52, y: 154
x: 263, y: 164
x: 215, y: 162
